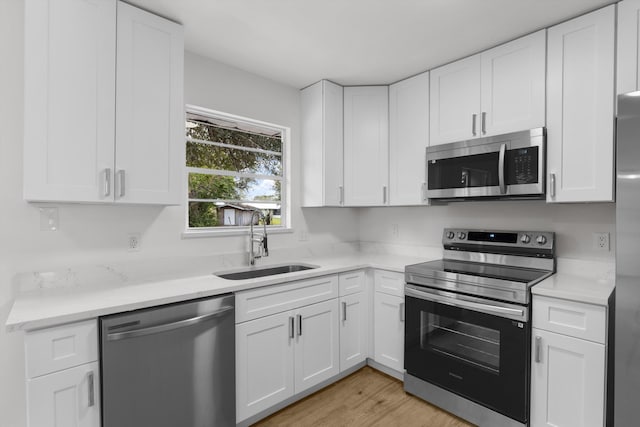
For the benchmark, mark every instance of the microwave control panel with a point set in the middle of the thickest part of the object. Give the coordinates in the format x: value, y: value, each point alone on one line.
x: 522, y: 166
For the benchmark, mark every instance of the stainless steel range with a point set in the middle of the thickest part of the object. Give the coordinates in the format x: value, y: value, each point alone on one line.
x: 467, y: 330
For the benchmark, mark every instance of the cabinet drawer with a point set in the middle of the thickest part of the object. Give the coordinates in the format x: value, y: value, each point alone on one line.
x: 351, y: 283
x: 580, y: 320
x: 261, y: 302
x: 61, y: 347
x: 389, y: 282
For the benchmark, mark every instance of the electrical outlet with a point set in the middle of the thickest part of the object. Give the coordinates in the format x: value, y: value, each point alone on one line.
x: 601, y: 242
x: 48, y: 219
x: 395, y: 230
x: 303, y: 236
x: 133, y: 242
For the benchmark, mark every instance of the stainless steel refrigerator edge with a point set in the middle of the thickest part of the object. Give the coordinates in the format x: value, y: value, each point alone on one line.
x: 627, y: 317
x: 172, y: 365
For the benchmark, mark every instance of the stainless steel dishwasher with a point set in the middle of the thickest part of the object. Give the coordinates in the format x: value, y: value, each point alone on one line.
x: 169, y: 366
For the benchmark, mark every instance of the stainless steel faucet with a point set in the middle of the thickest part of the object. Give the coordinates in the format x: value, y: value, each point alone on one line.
x: 261, y: 239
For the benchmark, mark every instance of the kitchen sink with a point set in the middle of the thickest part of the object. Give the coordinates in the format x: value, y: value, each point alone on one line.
x: 253, y: 272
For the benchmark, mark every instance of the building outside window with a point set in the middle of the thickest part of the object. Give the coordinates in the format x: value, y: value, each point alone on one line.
x: 234, y: 166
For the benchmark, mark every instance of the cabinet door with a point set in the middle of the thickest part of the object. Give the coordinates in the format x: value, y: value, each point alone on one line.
x: 354, y: 329
x: 264, y: 363
x: 322, y: 138
x: 70, y: 53
x: 628, y: 46
x: 68, y: 398
x: 408, y: 138
x: 366, y: 145
x: 580, y: 108
x: 317, y: 344
x: 389, y: 330
x: 513, y: 86
x: 150, y: 110
x: 455, y: 101
x: 567, y: 381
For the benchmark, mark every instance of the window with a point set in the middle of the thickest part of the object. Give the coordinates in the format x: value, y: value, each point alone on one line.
x: 234, y: 166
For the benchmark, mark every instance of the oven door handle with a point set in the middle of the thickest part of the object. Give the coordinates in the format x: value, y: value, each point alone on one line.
x: 518, y: 313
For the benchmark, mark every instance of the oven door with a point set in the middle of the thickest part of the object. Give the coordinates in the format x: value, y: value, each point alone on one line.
x: 476, y: 348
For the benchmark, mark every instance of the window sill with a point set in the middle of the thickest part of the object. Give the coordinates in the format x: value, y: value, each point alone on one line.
x: 240, y: 231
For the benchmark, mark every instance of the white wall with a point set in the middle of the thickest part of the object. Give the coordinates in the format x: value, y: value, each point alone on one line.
x: 93, y: 235
x: 422, y: 226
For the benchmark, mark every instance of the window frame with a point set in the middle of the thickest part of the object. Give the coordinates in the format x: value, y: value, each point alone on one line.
x: 285, y: 208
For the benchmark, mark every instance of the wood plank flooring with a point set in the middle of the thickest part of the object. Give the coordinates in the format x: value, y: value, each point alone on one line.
x: 365, y: 398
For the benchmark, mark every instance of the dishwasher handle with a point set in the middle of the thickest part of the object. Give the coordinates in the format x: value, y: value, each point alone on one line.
x: 115, y: 336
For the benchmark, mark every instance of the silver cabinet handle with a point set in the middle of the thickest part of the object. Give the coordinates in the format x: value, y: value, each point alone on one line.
x: 299, y: 325
x: 107, y: 182
x: 167, y: 326
x: 121, y: 182
x: 344, y: 311
x: 484, y: 123
x: 384, y: 195
x: 552, y: 184
x: 402, y: 312
x: 92, y: 396
x: 341, y: 194
x: 291, y: 328
x: 423, y: 192
x: 538, y: 345
x: 501, y: 180
x: 473, y: 124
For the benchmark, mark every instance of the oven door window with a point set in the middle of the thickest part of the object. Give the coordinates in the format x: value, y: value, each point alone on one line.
x: 482, y: 357
x: 475, y: 345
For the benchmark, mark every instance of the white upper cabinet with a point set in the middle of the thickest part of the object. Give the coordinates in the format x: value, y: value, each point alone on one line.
x: 87, y: 140
x: 455, y: 101
x: 513, y: 86
x: 628, y: 46
x: 366, y: 145
x: 322, y: 145
x: 149, y: 108
x: 497, y: 91
x: 69, y: 70
x: 580, y: 108
x: 408, y: 138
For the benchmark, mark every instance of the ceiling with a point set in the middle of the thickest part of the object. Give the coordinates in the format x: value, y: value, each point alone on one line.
x: 354, y: 42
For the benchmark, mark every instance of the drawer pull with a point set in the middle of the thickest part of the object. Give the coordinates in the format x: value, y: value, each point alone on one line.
x: 538, y: 345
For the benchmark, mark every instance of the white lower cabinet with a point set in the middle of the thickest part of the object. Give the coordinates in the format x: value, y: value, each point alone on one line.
x: 354, y: 329
x: 63, y: 376
x: 389, y: 330
x: 567, y: 381
x: 264, y: 363
x: 69, y: 398
x: 283, y: 354
x: 568, y: 363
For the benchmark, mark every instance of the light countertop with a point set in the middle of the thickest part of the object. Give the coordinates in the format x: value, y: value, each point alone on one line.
x: 39, y: 308
x: 47, y: 307
x: 576, y: 288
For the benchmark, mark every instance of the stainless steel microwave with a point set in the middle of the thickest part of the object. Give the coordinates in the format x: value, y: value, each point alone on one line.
x: 497, y: 167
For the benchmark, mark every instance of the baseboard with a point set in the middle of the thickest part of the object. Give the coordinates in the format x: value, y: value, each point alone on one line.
x: 385, y: 369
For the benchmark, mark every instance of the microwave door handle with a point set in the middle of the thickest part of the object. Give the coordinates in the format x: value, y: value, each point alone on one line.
x: 501, y: 181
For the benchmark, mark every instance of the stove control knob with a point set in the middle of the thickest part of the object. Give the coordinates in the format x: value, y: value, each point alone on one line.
x: 462, y: 235
x: 450, y: 235
x: 525, y: 238
x: 541, y: 240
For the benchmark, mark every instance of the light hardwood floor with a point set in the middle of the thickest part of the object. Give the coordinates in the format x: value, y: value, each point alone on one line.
x: 365, y: 398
